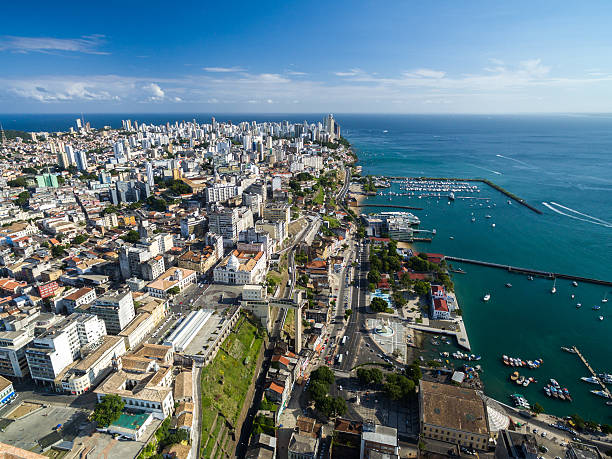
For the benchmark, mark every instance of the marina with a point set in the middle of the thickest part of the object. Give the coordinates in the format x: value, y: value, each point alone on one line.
x: 604, y: 392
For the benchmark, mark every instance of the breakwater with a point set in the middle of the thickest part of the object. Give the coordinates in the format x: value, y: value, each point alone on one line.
x: 532, y: 272
x: 488, y: 182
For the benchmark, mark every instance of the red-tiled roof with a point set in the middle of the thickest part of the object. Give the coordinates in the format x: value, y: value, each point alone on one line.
x: 276, y: 388
x: 440, y: 304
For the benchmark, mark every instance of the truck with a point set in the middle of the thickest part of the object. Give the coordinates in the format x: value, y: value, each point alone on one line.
x: 344, y: 339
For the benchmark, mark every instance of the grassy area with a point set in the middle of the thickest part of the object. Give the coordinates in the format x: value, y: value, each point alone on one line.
x: 289, y: 322
x: 319, y: 196
x: 333, y: 222
x: 226, y: 380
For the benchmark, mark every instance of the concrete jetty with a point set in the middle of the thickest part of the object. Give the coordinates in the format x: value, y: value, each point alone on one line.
x: 532, y: 272
x: 590, y: 368
x: 389, y: 206
x: 461, y: 335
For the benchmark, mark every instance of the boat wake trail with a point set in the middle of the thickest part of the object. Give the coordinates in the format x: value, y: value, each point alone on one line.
x: 579, y: 213
x: 485, y: 169
x: 515, y: 160
x: 588, y: 220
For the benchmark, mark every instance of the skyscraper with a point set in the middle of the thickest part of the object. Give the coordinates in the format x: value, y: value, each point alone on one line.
x: 70, y: 154
x: 149, y: 169
x: 81, y: 160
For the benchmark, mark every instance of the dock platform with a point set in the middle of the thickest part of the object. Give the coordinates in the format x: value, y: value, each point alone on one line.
x: 590, y: 368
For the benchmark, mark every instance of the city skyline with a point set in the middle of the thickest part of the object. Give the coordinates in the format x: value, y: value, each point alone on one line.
x: 344, y: 57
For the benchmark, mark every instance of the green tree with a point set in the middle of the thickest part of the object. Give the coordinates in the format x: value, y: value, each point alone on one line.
x: 398, y: 387
x: 378, y: 305
x: 338, y: 406
x: 318, y: 390
x: 374, y: 276
x: 591, y: 425
x: 413, y: 371
x: 578, y: 421
x: 22, y: 199
x: 78, y: 240
x: 58, y: 251
x: 174, y: 290
x: 18, y: 182
x: 108, y: 410
x: 422, y: 287
x: 606, y: 428
x: 324, y: 374
x: 537, y: 408
x: 131, y: 236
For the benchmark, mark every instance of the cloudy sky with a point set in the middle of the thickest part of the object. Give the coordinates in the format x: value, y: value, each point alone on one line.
x: 408, y: 56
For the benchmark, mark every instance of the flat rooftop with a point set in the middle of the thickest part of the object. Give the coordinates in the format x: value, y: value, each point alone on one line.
x: 453, y: 407
x: 206, y: 335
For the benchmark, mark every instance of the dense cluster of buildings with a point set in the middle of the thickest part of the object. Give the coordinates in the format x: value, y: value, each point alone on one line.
x: 102, y: 228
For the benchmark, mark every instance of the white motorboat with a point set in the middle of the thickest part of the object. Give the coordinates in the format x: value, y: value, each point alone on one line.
x: 487, y: 297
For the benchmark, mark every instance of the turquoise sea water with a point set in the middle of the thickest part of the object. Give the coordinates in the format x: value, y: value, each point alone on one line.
x: 563, y: 159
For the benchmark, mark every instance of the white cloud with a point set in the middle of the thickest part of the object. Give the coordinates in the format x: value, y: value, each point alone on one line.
x: 87, y: 44
x: 427, y: 73
x: 294, y: 73
x: 502, y: 88
x: 350, y: 73
x: 157, y: 93
x: 223, y: 69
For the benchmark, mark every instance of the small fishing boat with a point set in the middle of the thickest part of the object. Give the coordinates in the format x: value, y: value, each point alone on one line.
x: 600, y: 393
x: 596, y: 307
x: 487, y: 297
x: 578, y: 305
x: 575, y: 284
x: 530, y: 278
x: 493, y: 225
x: 509, y: 285
x: 605, y: 298
x: 601, y: 317
x: 514, y: 376
x: 473, y: 219
x: 487, y: 216
x: 572, y: 296
x: 568, y: 349
x: 553, y: 290
x: 590, y: 380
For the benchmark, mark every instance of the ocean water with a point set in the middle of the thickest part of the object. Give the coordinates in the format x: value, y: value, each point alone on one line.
x: 565, y: 160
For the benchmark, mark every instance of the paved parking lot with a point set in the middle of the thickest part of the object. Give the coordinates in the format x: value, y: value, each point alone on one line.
x: 25, y: 433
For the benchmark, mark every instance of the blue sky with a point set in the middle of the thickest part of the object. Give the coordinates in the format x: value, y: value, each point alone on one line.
x: 334, y: 56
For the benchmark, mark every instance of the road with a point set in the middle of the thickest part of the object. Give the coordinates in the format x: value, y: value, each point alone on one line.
x: 356, y: 321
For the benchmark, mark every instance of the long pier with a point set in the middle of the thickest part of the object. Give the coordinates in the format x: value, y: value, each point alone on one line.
x: 590, y: 368
x: 390, y: 206
x: 531, y: 272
